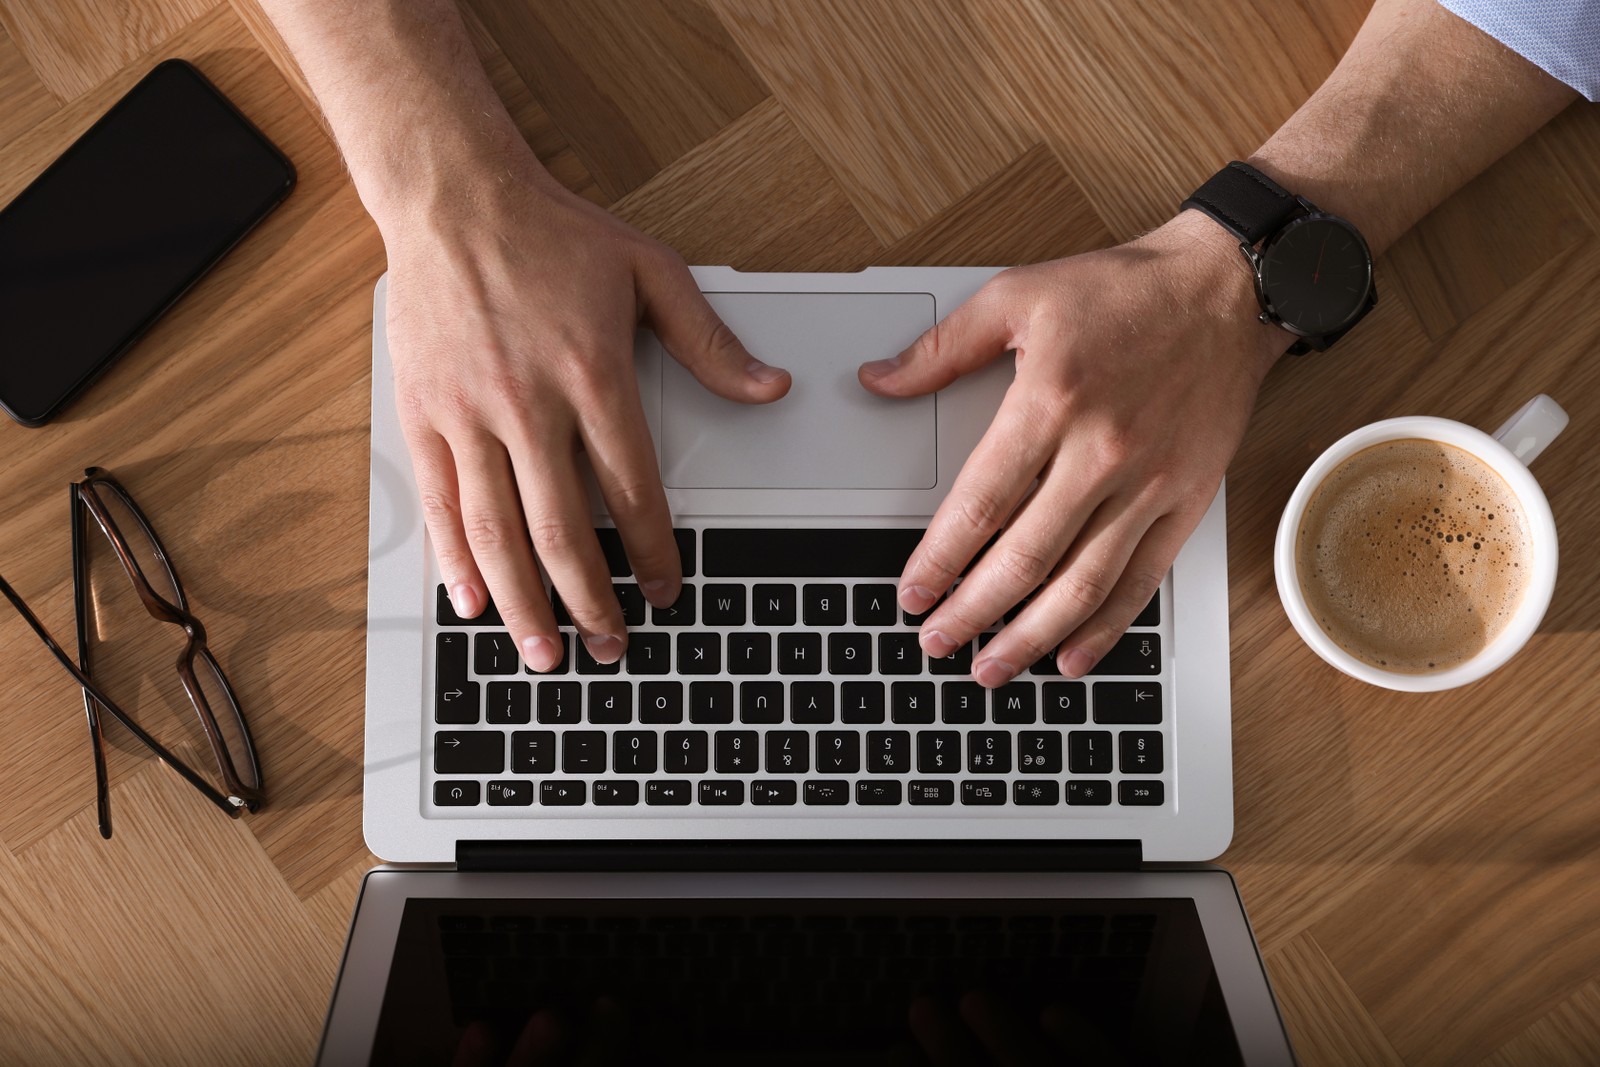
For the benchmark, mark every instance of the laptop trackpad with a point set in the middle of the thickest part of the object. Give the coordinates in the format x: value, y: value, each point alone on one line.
x: 828, y: 432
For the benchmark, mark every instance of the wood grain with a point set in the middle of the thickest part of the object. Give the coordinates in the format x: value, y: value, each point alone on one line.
x: 1420, y: 870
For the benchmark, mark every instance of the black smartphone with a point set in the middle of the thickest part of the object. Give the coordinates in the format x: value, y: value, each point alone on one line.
x: 114, y: 232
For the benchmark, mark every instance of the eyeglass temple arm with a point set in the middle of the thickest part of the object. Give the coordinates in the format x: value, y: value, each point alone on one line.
x: 80, y: 585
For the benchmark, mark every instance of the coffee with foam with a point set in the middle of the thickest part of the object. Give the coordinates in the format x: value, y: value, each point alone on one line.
x: 1413, y: 555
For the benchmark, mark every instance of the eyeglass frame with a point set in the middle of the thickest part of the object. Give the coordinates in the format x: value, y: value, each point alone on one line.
x: 86, y: 503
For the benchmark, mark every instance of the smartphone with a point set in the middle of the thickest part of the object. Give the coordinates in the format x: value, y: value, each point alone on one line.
x: 118, y: 228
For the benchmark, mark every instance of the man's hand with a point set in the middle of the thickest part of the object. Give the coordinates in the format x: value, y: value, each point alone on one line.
x: 1137, y: 368
x: 511, y: 324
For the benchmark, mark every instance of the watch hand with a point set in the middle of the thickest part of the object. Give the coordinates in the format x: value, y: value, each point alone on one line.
x: 1318, y: 272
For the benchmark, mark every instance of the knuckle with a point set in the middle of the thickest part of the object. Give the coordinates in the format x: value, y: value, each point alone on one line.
x: 1022, y: 564
x: 553, y: 538
x: 488, y: 531
x: 1083, y: 589
x: 722, y: 341
x: 633, y: 499
x: 979, y: 511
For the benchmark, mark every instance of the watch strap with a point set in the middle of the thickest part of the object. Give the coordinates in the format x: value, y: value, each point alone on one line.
x: 1246, y: 202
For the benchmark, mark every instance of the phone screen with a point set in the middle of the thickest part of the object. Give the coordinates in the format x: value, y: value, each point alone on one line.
x: 114, y: 231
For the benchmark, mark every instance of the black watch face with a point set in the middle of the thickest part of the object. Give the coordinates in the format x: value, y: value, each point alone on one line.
x: 1316, y: 274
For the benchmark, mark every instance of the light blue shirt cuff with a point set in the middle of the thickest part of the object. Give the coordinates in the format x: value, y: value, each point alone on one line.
x: 1561, y: 37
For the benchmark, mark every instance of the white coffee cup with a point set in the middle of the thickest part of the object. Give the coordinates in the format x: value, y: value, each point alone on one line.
x: 1508, y: 453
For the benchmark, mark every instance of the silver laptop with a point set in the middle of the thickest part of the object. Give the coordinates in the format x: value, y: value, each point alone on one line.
x: 780, y: 722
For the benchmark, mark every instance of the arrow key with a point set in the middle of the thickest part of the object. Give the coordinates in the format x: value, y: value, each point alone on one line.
x: 457, y: 705
x: 469, y: 752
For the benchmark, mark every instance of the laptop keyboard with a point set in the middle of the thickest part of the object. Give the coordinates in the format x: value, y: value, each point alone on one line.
x: 785, y: 676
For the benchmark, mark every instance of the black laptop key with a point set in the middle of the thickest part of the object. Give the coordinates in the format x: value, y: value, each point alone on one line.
x: 827, y: 791
x: 680, y: 612
x: 699, y: 653
x: 632, y: 602
x: 989, y: 752
x: 495, y: 653
x: 962, y: 702
x: 462, y: 794
x: 983, y: 794
x: 583, y: 752
x: 533, y: 752
x: 1151, y: 615
x: 911, y: 703
x: 775, y: 605
x: 1014, y: 703
x: 1039, y: 752
x: 685, y: 751
x: 660, y: 703
x: 633, y: 752
x: 1046, y: 666
x: 779, y: 793
x: 735, y: 751
x: 671, y: 792
x: 722, y: 605
x: 1134, y: 653
x: 722, y: 794
x: 761, y: 702
x: 1065, y: 702
x: 509, y: 703
x: 899, y: 653
x: 888, y: 751
x: 559, y: 609
x: 1139, y: 752
x: 878, y: 791
x: 750, y: 653
x: 649, y: 653
x: 811, y: 702
x: 617, y: 556
x: 469, y: 752
x: 710, y: 702
x: 788, y: 752
x: 935, y: 792
x: 1090, y: 793
x: 874, y: 605
x: 849, y: 653
x: 938, y: 752
x: 445, y: 612
x: 799, y: 653
x: 560, y: 703
x: 958, y: 662
x: 823, y: 605
x: 861, y: 702
x: 456, y: 705
x: 610, y: 794
x: 587, y: 664
x: 807, y: 553
x: 510, y: 793
x: 1089, y: 752
x: 610, y: 702
x: 1134, y: 792
x: 1127, y: 703
x: 1039, y: 792
x: 449, y: 659
x: 558, y: 794
x: 838, y: 752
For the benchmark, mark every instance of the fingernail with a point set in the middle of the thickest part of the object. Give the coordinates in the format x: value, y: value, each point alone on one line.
x: 465, y: 600
x: 541, y: 653
x: 1076, y: 663
x: 604, y: 647
x: 937, y: 644
x: 993, y: 673
x: 879, y: 367
x: 915, y: 599
x: 762, y: 372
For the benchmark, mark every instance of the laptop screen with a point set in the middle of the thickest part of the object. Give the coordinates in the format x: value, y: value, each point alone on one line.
x: 1017, y: 981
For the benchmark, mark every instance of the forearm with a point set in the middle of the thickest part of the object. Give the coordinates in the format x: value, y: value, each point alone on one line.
x: 1420, y: 103
x: 409, y: 102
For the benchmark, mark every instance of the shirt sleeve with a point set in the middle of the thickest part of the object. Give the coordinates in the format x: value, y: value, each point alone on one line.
x: 1561, y: 37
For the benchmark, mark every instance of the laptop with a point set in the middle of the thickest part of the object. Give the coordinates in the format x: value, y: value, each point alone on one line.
x: 775, y: 803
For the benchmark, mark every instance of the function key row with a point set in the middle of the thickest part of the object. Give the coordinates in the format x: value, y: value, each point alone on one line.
x: 879, y: 752
x: 567, y: 703
x: 672, y: 792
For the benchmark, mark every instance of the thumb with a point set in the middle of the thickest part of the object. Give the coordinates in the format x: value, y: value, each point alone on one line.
x: 696, y: 337
x: 969, y: 337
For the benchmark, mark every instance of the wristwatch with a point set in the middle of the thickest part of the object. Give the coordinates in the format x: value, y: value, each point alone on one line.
x: 1313, y: 270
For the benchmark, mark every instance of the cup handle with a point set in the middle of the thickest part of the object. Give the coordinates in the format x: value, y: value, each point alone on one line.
x: 1533, y: 427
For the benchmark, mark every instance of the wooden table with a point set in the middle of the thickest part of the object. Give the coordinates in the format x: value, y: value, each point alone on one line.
x: 1422, y: 871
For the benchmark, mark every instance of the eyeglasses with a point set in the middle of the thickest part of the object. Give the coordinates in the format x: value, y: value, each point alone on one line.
x: 148, y: 566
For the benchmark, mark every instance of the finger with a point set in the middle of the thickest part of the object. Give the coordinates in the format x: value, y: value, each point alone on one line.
x: 624, y: 460
x: 968, y: 338
x: 498, y: 537
x: 993, y: 480
x: 1082, y: 583
x: 1082, y: 648
x: 1005, y: 1035
x: 555, y: 503
x: 1024, y: 556
x: 477, y: 1045
x: 696, y: 337
x: 440, y: 494
x: 609, y: 1029
x: 540, y: 1042
x: 940, y: 1034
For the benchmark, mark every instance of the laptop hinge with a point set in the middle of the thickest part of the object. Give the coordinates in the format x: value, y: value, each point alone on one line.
x: 798, y: 855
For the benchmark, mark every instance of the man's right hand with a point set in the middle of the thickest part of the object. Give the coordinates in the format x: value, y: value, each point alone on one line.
x: 511, y: 319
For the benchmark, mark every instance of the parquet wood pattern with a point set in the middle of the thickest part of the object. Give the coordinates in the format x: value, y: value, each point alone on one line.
x: 1420, y: 870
